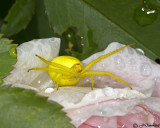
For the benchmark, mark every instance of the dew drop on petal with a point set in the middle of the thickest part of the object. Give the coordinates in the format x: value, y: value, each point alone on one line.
x: 132, y: 64
x: 119, y: 62
x: 157, y: 80
x: 130, y: 50
x: 108, y: 91
x: 49, y: 90
x: 103, y: 65
x: 87, y: 80
x: 145, y: 69
x: 92, y: 95
x: 140, y: 51
x: 38, y: 81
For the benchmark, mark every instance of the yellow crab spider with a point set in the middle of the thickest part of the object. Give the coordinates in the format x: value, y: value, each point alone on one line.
x: 67, y: 70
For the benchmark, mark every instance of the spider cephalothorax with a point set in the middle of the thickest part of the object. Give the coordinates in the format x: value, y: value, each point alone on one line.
x: 68, y: 70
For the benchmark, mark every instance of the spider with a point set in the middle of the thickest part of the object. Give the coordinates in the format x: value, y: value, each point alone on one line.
x: 68, y: 70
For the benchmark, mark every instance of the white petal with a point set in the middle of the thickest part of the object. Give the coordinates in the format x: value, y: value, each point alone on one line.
x: 26, y: 59
x: 128, y: 64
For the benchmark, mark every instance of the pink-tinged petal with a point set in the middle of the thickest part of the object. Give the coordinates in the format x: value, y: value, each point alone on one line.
x: 100, y: 122
x: 156, y: 91
x: 139, y: 117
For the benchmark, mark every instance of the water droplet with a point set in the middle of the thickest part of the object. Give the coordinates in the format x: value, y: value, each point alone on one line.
x: 145, y: 16
x: 145, y: 69
x: 38, y: 81
x: 130, y: 50
x: 87, y: 80
x: 157, y: 80
x: 78, y: 112
x: 75, y: 97
x: 132, y: 64
x: 92, y: 95
x: 69, y: 35
x: 12, y: 51
x: 140, y: 51
x: 108, y: 91
x: 123, y: 126
x: 82, y: 44
x: 49, y: 90
x: 103, y: 64
x: 151, y: 11
x: 119, y: 62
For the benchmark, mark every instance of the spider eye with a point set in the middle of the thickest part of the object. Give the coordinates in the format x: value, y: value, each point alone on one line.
x: 77, y: 67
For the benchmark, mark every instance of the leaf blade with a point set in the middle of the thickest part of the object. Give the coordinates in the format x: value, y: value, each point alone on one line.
x: 23, y: 108
x: 92, y: 16
x: 18, y: 17
x: 6, y: 58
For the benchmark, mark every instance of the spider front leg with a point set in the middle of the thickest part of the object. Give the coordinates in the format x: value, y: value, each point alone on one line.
x: 103, y: 57
x: 90, y: 73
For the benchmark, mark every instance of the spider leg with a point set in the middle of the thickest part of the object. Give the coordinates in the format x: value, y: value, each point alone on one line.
x: 52, y: 70
x: 62, y: 67
x: 92, y: 81
x: 59, y: 77
x: 102, y: 57
x: 57, y: 85
x: 54, y: 81
x: 89, y: 73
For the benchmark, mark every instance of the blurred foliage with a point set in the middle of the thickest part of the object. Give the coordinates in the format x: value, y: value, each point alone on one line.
x: 18, y: 17
x: 90, y: 24
x: 20, y: 108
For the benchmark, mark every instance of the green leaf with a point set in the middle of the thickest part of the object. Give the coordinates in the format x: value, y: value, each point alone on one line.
x: 107, y: 21
x: 44, y: 30
x: 18, y: 17
x: 20, y: 108
x: 38, y: 26
x: 7, y: 56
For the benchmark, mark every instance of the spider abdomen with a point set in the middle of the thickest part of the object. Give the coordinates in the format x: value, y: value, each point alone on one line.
x: 70, y: 62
